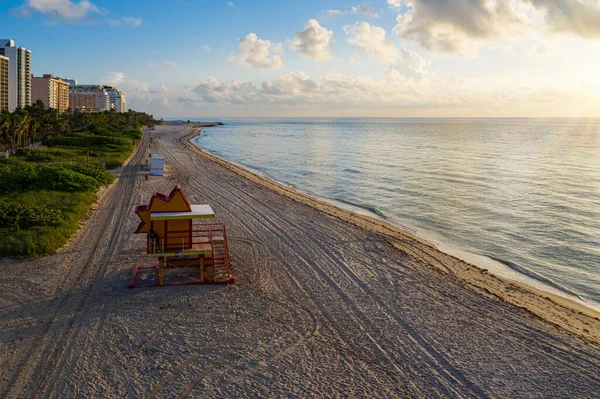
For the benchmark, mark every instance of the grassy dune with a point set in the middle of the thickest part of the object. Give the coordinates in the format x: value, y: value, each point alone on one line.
x: 37, y: 240
x: 45, y: 192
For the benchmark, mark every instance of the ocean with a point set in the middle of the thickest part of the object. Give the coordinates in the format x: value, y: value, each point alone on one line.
x: 519, y: 197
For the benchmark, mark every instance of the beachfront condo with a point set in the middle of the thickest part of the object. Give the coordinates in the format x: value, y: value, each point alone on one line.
x: 118, y: 100
x: 4, y: 76
x: 19, y: 74
x: 54, y: 92
x: 89, y: 97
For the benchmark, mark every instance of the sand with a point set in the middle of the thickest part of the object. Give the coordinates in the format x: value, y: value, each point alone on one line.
x: 326, y: 303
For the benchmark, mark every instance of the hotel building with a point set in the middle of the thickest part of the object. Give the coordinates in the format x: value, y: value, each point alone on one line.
x: 54, y: 92
x: 4, y: 77
x: 89, y: 97
x: 118, y: 100
x: 19, y: 74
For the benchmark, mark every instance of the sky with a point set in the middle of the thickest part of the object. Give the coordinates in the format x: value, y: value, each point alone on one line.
x: 301, y: 58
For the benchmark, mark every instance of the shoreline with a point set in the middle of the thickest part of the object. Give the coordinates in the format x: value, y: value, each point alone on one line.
x: 566, y: 313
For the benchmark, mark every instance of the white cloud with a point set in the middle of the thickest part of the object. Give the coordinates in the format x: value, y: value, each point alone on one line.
x: 162, y: 88
x: 399, y: 93
x: 293, y: 84
x: 169, y: 64
x: 449, y: 26
x: 230, y: 4
x: 206, y: 47
x: 58, y: 10
x: 412, y: 65
x: 578, y: 17
x: 313, y: 41
x: 133, y: 21
x: 255, y: 53
x: 372, y: 40
x: 459, y: 26
x: 113, y: 78
x: 210, y: 90
x: 333, y: 13
x: 365, y: 10
x: 394, y: 4
x: 113, y: 22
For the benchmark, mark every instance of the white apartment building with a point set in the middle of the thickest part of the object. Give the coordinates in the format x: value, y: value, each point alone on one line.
x: 118, y: 100
x: 19, y: 74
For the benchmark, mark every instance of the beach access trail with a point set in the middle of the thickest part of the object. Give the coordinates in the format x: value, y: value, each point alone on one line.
x: 320, y: 308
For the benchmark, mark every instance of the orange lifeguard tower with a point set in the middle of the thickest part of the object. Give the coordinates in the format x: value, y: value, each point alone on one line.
x: 176, y: 235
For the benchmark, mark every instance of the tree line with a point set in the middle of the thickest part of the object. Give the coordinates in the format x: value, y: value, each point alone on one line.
x: 36, y: 123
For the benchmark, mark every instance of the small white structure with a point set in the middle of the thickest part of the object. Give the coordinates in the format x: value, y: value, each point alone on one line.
x: 157, y: 165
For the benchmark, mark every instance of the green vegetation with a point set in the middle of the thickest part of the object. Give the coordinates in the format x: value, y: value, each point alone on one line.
x: 58, y: 162
x: 39, y: 222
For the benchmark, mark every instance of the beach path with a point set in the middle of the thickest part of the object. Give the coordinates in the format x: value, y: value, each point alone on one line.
x: 320, y: 308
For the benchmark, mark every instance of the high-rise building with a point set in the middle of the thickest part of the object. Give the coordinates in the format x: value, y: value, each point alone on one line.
x: 54, y: 92
x: 89, y: 97
x: 4, y: 76
x: 118, y: 100
x: 19, y: 74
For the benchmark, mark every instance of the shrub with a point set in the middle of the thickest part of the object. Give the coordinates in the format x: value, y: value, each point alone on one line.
x: 96, y: 172
x: 17, y: 177
x: 59, y: 178
x: 15, y: 217
x: 86, y: 141
x: 31, y: 155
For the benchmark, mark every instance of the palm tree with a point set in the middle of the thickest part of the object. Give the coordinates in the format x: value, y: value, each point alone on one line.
x: 5, y: 128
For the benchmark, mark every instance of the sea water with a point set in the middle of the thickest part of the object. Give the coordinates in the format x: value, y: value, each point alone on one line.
x: 518, y: 196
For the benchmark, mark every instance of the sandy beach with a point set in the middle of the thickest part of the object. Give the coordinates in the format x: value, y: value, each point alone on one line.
x: 327, y: 303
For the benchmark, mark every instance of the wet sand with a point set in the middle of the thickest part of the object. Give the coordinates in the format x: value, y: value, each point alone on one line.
x: 326, y: 303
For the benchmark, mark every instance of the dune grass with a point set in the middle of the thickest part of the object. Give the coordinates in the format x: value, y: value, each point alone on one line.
x: 45, y: 191
x: 37, y: 240
x: 108, y: 148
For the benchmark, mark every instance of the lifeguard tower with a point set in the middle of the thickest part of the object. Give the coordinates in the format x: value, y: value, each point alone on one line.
x: 189, y: 250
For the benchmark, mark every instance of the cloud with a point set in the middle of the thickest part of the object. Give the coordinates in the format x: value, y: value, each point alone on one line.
x: 402, y: 92
x: 412, y: 65
x: 169, y: 64
x: 313, y: 41
x: 372, y: 40
x: 448, y: 25
x: 333, y: 13
x: 230, y: 4
x: 210, y: 90
x: 133, y: 21
x: 162, y: 88
x: 457, y: 26
x: 113, y: 78
x: 290, y: 85
x: 578, y: 17
x: 365, y: 10
x: 394, y: 4
x: 255, y: 53
x: 58, y: 10
x: 206, y: 47
x: 113, y: 23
